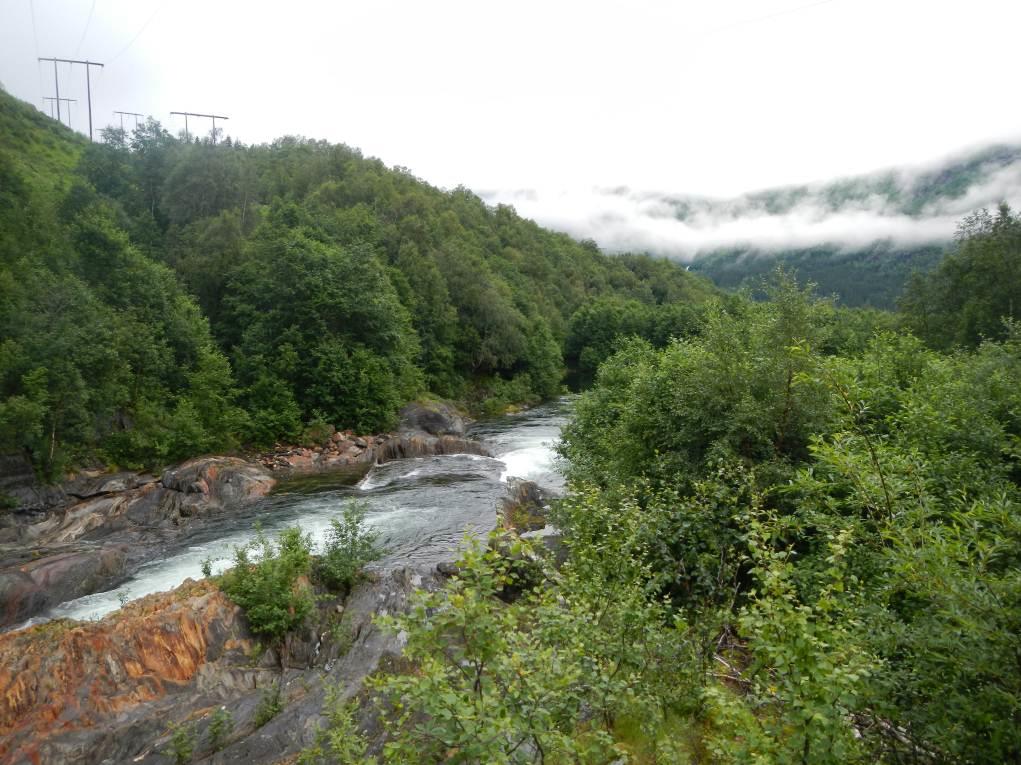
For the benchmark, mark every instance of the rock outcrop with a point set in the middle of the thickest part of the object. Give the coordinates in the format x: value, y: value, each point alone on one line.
x: 525, y: 507
x: 116, y: 690
x: 425, y: 429
x: 109, y: 527
x: 72, y: 692
x: 437, y: 418
x: 38, y: 580
x: 425, y: 445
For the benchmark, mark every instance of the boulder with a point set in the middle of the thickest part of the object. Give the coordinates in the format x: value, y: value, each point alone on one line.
x: 437, y: 418
x: 44, y: 580
x: 525, y: 507
x: 221, y: 481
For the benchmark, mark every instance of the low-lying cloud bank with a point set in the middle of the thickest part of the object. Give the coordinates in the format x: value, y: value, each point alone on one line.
x: 905, y: 207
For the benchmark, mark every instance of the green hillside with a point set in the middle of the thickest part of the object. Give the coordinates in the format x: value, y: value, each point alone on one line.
x: 873, y: 274
x: 163, y: 297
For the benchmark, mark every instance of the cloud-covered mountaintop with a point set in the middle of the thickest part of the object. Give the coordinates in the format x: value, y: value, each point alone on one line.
x: 906, y: 207
x: 872, y: 229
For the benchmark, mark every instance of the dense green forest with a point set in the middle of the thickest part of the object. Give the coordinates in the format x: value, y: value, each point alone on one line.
x: 792, y: 528
x: 873, y: 275
x: 792, y: 539
x: 161, y: 298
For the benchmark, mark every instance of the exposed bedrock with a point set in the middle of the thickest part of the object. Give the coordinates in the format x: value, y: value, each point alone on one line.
x: 114, y: 691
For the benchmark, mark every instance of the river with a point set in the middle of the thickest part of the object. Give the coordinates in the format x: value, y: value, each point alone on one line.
x: 422, y: 507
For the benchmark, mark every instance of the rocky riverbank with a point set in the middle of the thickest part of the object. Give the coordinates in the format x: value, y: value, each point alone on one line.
x: 179, y: 676
x: 118, y: 690
x: 95, y: 529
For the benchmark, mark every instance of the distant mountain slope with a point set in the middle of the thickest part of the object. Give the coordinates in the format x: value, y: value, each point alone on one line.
x: 953, y: 187
x: 869, y: 276
x: 859, y: 237
x: 912, y: 217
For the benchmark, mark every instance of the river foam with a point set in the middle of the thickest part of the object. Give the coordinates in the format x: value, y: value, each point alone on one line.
x: 422, y: 508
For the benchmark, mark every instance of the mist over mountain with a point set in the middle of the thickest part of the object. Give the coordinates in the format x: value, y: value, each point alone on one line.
x: 858, y: 237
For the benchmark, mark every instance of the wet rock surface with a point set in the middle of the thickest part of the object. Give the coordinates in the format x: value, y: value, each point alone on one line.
x: 437, y: 418
x: 108, y: 525
x: 115, y: 690
x: 40, y: 579
x: 425, y: 429
x: 526, y: 506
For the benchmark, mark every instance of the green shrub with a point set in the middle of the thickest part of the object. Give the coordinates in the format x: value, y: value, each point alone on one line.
x: 269, y: 707
x: 182, y: 744
x: 349, y: 546
x: 340, y: 742
x: 318, y: 431
x: 220, y: 728
x: 269, y: 588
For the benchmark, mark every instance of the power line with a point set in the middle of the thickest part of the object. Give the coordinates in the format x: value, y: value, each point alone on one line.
x: 136, y: 115
x: 58, y: 101
x: 35, y: 39
x: 86, y: 30
x: 88, y: 81
x: 138, y: 34
x: 213, y: 117
x: 35, y: 36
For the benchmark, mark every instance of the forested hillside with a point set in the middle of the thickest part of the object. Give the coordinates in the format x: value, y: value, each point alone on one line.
x: 160, y: 297
x: 792, y: 538
x: 873, y: 275
x: 870, y: 233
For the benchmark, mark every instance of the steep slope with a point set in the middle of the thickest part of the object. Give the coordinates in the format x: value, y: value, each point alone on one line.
x: 161, y: 298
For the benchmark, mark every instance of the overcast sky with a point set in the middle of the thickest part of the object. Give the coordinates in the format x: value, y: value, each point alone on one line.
x: 713, y: 97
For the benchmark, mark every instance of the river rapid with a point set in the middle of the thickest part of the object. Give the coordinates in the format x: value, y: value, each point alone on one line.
x: 422, y: 508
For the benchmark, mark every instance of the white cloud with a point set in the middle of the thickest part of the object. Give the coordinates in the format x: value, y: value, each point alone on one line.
x: 625, y: 220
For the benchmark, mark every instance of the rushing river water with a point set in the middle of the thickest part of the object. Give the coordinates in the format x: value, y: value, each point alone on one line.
x: 421, y: 507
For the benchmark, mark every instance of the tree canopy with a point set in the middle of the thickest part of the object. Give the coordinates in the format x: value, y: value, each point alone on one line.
x: 163, y: 297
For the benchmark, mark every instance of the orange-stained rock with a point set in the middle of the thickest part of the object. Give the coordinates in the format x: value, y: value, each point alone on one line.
x: 65, y: 675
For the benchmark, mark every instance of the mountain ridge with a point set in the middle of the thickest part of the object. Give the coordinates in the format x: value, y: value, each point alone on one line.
x: 859, y: 237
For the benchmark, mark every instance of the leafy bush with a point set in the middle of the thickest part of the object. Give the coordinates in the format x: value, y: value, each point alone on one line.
x: 544, y: 678
x: 266, y: 581
x: 339, y: 742
x: 348, y: 547
x: 318, y: 431
x: 182, y: 744
x: 220, y: 728
x: 269, y: 707
x: 848, y: 526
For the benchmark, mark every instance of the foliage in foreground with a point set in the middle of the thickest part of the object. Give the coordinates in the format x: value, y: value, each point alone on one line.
x: 889, y: 478
x: 347, y: 548
x: 545, y: 678
x: 273, y: 580
x: 266, y: 581
x: 822, y: 568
